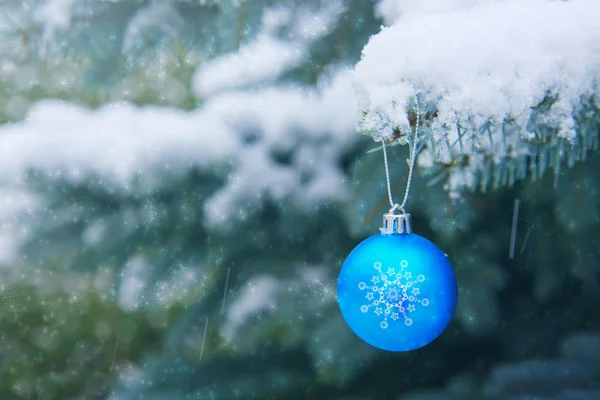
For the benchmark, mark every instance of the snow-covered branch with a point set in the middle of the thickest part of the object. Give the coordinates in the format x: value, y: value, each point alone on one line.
x: 507, y: 80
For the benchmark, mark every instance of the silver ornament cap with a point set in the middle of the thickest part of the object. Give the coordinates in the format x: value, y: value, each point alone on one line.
x: 395, y: 222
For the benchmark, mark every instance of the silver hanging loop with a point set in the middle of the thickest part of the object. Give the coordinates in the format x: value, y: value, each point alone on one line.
x: 396, y: 207
x: 396, y: 223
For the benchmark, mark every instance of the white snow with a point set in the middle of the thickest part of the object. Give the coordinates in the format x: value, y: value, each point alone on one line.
x: 264, y: 59
x: 267, y: 56
x: 476, y: 59
x: 121, y: 142
x: 480, y: 60
x: 161, y: 16
x: 258, y: 294
x: 117, y: 141
x: 313, y: 124
x: 54, y: 14
x: 264, y: 293
x: 131, y: 290
x: 392, y: 10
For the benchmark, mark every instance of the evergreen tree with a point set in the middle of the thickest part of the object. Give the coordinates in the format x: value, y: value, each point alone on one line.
x: 182, y: 180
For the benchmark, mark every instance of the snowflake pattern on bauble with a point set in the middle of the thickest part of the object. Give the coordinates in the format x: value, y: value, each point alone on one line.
x: 393, y: 295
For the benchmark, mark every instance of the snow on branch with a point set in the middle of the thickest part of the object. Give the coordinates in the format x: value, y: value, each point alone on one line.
x: 267, y: 56
x: 392, y: 10
x: 512, y: 85
x: 261, y: 143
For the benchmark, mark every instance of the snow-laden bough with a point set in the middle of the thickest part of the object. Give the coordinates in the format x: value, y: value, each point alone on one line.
x: 511, y: 87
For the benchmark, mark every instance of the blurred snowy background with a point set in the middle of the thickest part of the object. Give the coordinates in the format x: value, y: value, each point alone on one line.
x: 181, y: 180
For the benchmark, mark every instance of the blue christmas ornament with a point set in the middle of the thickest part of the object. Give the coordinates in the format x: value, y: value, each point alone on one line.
x: 397, y: 290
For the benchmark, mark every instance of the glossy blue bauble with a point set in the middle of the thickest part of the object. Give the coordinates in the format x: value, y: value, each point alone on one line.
x: 397, y: 292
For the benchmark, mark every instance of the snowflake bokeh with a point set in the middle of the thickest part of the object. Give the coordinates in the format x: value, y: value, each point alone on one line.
x: 393, y: 295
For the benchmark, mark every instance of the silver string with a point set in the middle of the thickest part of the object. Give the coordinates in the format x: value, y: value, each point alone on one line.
x: 387, y: 174
x: 412, y: 149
